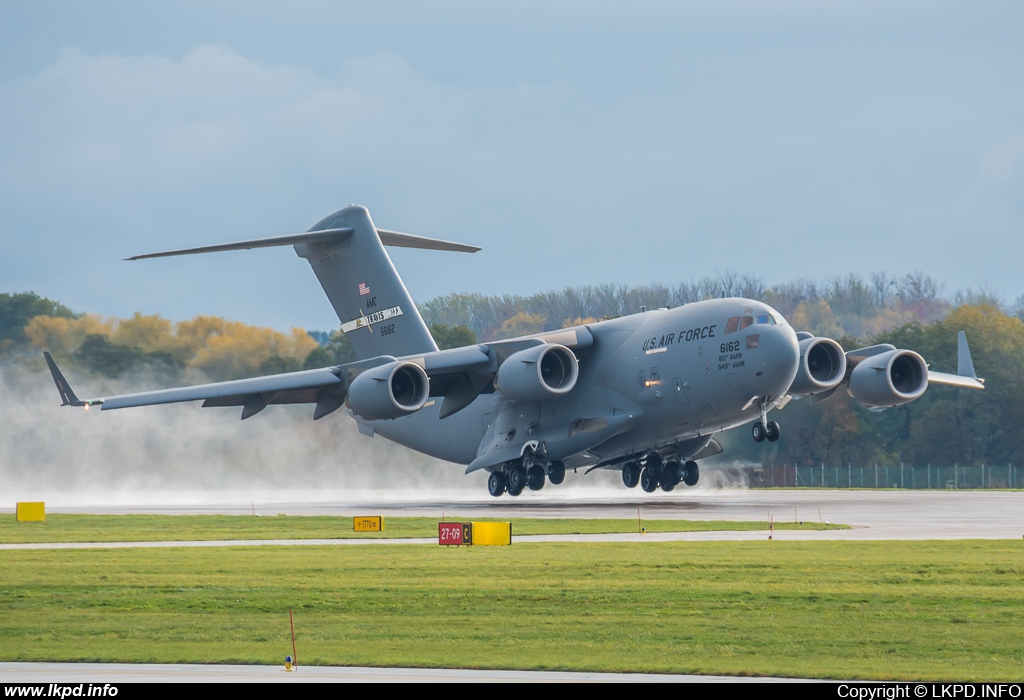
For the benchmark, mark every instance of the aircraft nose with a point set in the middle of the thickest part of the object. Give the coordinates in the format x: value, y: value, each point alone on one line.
x: 780, y: 357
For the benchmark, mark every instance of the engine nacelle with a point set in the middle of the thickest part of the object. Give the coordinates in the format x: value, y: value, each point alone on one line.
x: 889, y: 379
x: 389, y: 391
x: 822, y: 367
x: 537, y: 374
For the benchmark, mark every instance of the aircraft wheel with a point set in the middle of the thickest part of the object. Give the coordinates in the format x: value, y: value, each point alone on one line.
x: 673, y: 474
x: 535, y: 478
x: 667, y: 486
x: 516, y: 478
x: 496, y: 484
x: 655, y: 466
x: 759, y: 432
x: 631, y: 474
x: 774, y: 431
x: 691, y: 473
x: 647, y: 481
x: 556, y: 473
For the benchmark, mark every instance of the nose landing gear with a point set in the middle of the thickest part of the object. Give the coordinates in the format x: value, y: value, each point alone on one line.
x: 765, y: 428
x: 762, y: 431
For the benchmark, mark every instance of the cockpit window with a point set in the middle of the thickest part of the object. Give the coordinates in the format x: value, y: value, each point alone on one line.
x: 738, y: 323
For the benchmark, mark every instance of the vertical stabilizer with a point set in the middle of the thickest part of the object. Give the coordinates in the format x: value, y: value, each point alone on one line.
x: 376, y: 312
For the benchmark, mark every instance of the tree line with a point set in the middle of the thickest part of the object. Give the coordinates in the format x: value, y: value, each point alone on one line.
x: 205, y: 348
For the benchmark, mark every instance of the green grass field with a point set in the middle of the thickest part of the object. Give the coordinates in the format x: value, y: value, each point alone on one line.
x: 886, y: 610
x: 151, y: 528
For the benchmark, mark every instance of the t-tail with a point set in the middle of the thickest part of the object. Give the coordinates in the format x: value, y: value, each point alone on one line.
x: 346, y: 252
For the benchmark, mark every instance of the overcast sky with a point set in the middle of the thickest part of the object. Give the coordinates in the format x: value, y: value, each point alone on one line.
x: 578, y: 143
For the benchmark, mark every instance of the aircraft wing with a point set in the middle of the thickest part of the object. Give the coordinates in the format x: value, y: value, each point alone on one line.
x: 324, y: 387
x: 459, y: 375
x: 327, y: 388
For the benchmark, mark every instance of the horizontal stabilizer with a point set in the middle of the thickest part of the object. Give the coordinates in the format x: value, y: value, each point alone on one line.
x: 331, y: 235
x: 408, y: 240
x: 335, y: 235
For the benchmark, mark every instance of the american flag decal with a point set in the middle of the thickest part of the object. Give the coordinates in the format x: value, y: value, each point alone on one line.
x: 363, y: 289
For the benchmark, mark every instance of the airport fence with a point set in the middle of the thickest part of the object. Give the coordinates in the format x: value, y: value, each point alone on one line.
x: 878, y: 476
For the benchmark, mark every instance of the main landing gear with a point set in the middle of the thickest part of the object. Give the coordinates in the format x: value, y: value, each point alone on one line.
x: 529, y: 472
x: 655, y: 473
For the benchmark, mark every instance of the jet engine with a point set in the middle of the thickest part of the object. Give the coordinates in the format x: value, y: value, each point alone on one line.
x: 538, y: 373
x: 889, y: 379
x: 822, y: 367
x: 389, y: 391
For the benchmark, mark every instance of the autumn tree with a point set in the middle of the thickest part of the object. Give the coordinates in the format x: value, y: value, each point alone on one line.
x: 448, y: 337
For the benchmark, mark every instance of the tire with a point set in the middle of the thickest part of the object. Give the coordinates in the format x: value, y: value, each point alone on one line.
x: 631, y: 474
x: 672, y: 475
x: 516, y: 478
x: 535, y: 477
x: 758, y: 432
x: 655, y: 466
x: 647, y: 481
x: 556, y: 473
x: 774, y: 431
x: 496, y: 484
x: 691, y: 473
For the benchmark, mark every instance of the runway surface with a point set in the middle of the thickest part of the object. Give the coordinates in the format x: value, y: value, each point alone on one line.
x: 873, y: 515
x: 195, y: 673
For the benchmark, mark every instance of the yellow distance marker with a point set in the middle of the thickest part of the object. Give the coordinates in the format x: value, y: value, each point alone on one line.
x: 31, y: 512
x: 492, y: 533
x: 368, y: 523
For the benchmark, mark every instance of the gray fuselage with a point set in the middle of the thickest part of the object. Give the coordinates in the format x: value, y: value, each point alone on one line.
x: 660, y: 380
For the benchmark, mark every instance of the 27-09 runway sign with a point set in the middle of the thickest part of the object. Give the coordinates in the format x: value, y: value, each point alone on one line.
x: 479, y: 533
x: 454, y: 533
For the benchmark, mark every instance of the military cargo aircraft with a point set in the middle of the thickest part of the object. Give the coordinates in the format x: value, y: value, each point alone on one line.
x: 644, y: 394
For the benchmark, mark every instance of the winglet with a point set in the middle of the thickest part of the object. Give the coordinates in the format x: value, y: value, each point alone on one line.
x: 965, y: 376
x: 964, y: 365
x: 67, y: 394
